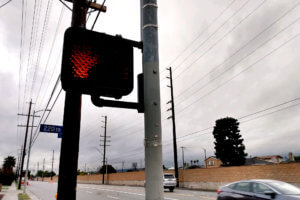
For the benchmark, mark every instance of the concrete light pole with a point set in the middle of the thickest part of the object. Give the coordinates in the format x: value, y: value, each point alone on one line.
x: 152, y: 117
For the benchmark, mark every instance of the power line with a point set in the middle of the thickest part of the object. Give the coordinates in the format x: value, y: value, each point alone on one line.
x: 30, y: 51
x: 51, y: 50
x: 37, y: 133
x: 247, y: 68
x: 199, y: 35
x: 270, y: 113
x: 211, y: 127
x: 231, y: 29
x: 248, y: 115
x: 222, y: 12
x: 246, y: 44
x: 40, y: 49
x: 225, y: 35
x: 21, y: 57
x: 55, y: 86
x: 98, y: 14
x: 5, y: 3
x: 269, y: 108
x: 35, y: 36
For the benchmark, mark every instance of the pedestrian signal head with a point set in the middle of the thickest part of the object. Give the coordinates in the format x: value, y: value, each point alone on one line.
x: 96, y: 63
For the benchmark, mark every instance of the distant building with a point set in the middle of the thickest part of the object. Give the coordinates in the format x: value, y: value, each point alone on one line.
x: 291, y: 157
x: 256, y: 161
x: 271, y: 159
x: 212, y: 162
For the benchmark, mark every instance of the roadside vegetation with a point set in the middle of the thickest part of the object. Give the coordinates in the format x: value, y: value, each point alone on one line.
x: 22, y: 196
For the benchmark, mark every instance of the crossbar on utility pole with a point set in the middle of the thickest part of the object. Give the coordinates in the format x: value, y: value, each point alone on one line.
x: 93, y: 5
x: 104, y: 146
x: 67, y: 180
x: 174, y: 128
x: 24, y: 146
x: 29, y: 150
x: 68, y: 164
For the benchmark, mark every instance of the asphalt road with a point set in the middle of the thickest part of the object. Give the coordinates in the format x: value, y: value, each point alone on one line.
x: 46, y: 191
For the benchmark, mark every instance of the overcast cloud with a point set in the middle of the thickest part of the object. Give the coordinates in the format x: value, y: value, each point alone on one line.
x: 229, y: 58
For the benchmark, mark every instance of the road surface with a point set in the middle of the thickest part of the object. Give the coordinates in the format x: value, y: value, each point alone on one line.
x: 46, y: 191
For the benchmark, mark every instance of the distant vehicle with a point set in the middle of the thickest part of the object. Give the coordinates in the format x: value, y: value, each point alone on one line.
x: 258, y: 189
x: 169, y: 182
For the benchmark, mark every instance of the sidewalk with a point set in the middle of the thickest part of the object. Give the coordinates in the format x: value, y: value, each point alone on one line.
x: 12, y: 193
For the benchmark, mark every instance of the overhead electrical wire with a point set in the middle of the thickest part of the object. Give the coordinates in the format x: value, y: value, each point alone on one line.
x: 243, y: 46
x: 21, y: 58
x: 199, y: 35
x: 33, y: 58
x: 203, y: 31
x: 213, y: 33
x: 243, y: 58
x: 41, y: 45
x: 253, y: 39
x: 50, y: 53
x: 211, y: 127
x: 5, y: 3
x: 55, y: 101
x: 36, y: 132
x: 50, y: 98
x: 249, y: 115
x: 29, y: 54
x: 238, y: 10
x: 235, y: 13
x: 224, y: 36
x: 244, y: 70
x: 98, y: 14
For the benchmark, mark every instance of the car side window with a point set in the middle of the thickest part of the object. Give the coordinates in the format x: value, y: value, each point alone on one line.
x: 243, y: 186
x: 232, y: 186
x: 260, y: 188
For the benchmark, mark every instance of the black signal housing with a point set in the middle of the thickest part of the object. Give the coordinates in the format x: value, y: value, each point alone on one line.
x: 97, y: 64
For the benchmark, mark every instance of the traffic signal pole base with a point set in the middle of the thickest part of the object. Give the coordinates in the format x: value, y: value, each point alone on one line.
x: 67, y: 178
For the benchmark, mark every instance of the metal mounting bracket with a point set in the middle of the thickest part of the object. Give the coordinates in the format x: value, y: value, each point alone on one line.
x: 97, y: 101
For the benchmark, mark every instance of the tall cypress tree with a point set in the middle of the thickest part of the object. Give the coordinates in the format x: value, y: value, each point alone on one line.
x: 228, y: 142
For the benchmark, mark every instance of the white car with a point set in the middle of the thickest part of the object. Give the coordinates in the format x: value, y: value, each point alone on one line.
x: 169, y: 182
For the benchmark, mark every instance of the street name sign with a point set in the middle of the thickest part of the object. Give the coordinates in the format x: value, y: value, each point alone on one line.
x: 51, y: 128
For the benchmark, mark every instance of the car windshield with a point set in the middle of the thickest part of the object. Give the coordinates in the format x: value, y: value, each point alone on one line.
x: 285, y: 188
x: 169, y: 176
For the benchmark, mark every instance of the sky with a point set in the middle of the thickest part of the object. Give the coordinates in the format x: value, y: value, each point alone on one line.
x: 229, y: 58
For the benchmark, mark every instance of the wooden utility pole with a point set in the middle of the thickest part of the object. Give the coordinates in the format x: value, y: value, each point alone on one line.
x: 24, y: 146
x: 174, y: 127
x: 72, y: 116
x: 52, y: 166
x: 104, y: 145
x: 43, y: 170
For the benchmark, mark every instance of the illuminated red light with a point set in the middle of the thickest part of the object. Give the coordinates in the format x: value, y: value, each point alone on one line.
x: 83, y: 60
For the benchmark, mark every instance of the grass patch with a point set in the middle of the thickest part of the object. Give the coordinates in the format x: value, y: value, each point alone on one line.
x: 5, y: 187
x: 22, y: 196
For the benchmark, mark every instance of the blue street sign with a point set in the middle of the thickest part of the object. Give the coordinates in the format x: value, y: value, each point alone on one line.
x: 50, y: 128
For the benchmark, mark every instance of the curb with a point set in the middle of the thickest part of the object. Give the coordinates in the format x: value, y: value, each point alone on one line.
x: 32, y: 195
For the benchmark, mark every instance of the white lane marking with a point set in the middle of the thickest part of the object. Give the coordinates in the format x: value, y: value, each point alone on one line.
x: 89, y: 192
x: 123, y: 192
x: 112, y: 197
x: 185, y: 195
x: 170, y: 198
x: 205, y: 197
